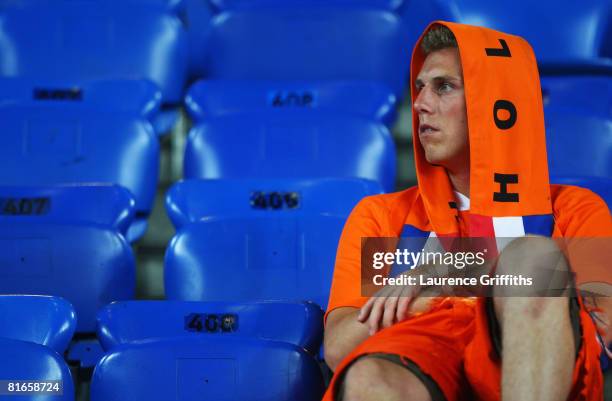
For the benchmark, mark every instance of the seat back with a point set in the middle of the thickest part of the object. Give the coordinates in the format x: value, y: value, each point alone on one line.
x: 23, y: 361
x: 285, y: 132
x: 391, y: 5
x: 579, y: 145
x: 192, y: 201
x: 256, y: 258
x: 280, y: 243
x: 207, y: 368
x: 292, y: 146
x: 94, y: 40
x: 300, y: 324
x: 578, y: 125
x: 62, y: 133
x: 43, y: 320
x: 579, y: 45
x: 176, y: 6
x: 290, y: 130
x: 69, y: 242
x: 217, y: 98
x: 320, y: 41
x: 123, y: 96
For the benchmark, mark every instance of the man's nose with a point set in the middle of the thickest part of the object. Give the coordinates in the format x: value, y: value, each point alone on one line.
x: 423, y: 101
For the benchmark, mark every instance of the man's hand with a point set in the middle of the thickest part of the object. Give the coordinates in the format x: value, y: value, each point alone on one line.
x: 395, y: 303
x: 388, y: 306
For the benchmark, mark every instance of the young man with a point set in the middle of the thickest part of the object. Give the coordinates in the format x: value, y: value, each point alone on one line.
x: 478, y: 133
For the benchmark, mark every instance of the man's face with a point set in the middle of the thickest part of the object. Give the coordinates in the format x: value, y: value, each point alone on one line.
x: 440, y: 105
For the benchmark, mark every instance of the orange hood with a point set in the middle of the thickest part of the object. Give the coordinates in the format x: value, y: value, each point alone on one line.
x: 508, y: 166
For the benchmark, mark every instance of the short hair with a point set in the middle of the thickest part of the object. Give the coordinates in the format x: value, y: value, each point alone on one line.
x: 437, y: 38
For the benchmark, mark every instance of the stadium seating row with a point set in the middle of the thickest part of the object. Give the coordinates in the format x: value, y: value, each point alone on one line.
x: 172, y: 42
x: 285, y: 231
x: 87, y: 52
x: 278, y: 237
x: 192, y: 350
x: 102, y: 132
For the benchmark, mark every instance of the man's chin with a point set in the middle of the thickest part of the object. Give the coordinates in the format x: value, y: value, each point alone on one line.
x: 434, y: 161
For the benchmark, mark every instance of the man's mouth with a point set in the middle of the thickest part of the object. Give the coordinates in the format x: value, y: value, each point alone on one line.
x: 426, y: 128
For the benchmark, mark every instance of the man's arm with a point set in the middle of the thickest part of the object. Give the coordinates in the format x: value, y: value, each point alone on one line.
x: 348, y: 326
x: 393, y: 304
x: 343, y: 332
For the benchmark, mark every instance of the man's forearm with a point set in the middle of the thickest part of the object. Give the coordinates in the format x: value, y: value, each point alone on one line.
x: 343, y: 332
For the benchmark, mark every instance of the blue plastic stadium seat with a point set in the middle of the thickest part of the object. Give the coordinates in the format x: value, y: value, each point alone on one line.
x: 579, y: 45
x: 124, y: 96
x: 300, y: 324
x: 217, y: 98
x: 68, y: 241
x: 207, y: 368
x: 283, y: 132
x: 257, y: 240
x: 44, y: 320
x: 97, y: 132
x: 391, y: 5
x: 175, y: 6
x: 575, y: 93
x: 191, y: 201
x: 578, y: 125
x: 579, y: 144
x: 319, y: 41
x: 94, y: 40
x: 258, y: 258
x: 29, y: 362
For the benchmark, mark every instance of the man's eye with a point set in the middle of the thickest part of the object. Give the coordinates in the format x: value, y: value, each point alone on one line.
x: 445, y: 87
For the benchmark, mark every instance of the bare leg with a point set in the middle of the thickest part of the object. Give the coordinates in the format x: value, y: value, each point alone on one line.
x: 373, y: 379
x: 538, y: 348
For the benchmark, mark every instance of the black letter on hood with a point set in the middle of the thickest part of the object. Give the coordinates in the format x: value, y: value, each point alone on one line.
x: 503, y: 52
x: 508, y: 106
x: 503, y: 195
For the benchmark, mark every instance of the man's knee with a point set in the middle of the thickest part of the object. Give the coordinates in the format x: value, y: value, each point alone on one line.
x: 536, y: 267
x: 372, y: 378
x: 527, y: 252
x: 540, y: 261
